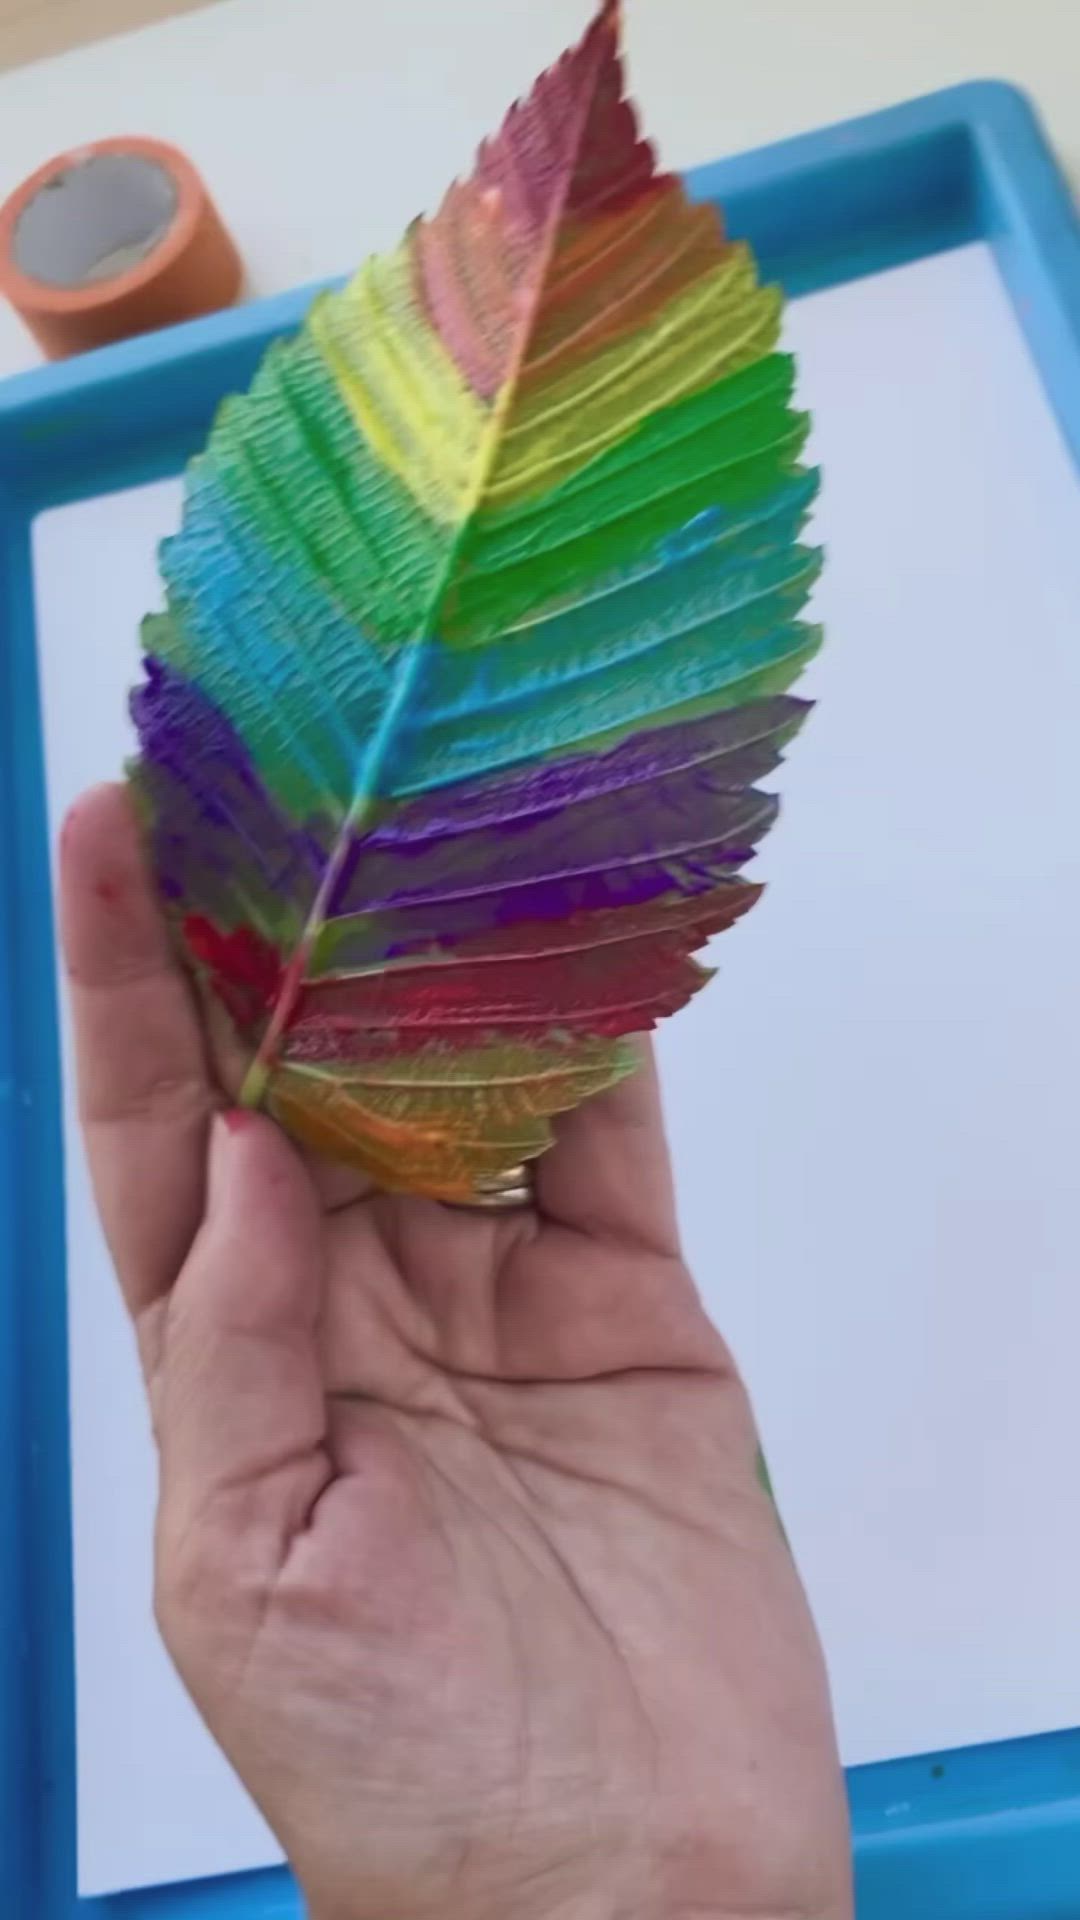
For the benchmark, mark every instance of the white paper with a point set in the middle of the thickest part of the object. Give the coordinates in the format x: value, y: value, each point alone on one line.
x: 874, y: 1110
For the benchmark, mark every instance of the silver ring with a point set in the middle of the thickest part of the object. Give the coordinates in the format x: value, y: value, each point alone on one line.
x: 501, y: 1193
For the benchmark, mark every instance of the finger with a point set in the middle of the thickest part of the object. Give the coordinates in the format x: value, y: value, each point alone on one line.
x: 145, y: 1096
x: 238, y: 1401
x: 609, y: 1173
x: 337, y: 1185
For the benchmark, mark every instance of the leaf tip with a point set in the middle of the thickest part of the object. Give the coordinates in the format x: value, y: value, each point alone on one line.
x: 608, y: 18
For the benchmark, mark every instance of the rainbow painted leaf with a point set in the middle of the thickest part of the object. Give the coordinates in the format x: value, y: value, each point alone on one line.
x: 479, y: 632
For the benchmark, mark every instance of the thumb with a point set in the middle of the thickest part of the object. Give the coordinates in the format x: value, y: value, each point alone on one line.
x: 238, y: 1399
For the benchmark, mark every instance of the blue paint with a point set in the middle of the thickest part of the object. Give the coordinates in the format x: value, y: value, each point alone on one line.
x: 992, y: 1833
x: 234, y: 598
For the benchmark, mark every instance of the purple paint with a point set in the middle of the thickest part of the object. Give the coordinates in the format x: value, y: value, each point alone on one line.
x: 748, y: 740
x: 402, y: 929
x: 216, y: 832
x: 665, y: 819
x: 672, y: 811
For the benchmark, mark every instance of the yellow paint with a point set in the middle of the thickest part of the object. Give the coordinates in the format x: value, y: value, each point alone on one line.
x: 402, y: 388
x: 425, y: 423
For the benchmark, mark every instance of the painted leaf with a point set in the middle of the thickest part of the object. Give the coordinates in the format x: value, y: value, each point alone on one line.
x: 479, y: 634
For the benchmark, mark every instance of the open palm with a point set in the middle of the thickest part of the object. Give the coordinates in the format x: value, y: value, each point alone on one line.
x: 462, y: 1550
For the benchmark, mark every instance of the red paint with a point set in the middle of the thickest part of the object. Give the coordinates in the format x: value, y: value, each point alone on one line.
x: 602, y: 974
x: 238, y: 1119
x: 110, y: 892
x: 244, y: 968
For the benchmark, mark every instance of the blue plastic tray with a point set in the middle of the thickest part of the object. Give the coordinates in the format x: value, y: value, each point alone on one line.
x: 991, y: 1833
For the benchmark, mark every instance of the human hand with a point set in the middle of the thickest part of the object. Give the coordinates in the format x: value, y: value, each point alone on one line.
x: 461, y: 1548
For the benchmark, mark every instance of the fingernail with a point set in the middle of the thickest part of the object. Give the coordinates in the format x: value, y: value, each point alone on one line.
x: 237, y: 1119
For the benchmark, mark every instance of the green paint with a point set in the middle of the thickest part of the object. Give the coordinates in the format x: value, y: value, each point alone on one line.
x: 765, y: 1481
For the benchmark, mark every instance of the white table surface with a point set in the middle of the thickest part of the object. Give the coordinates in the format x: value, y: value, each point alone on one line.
x: 306, y: 115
